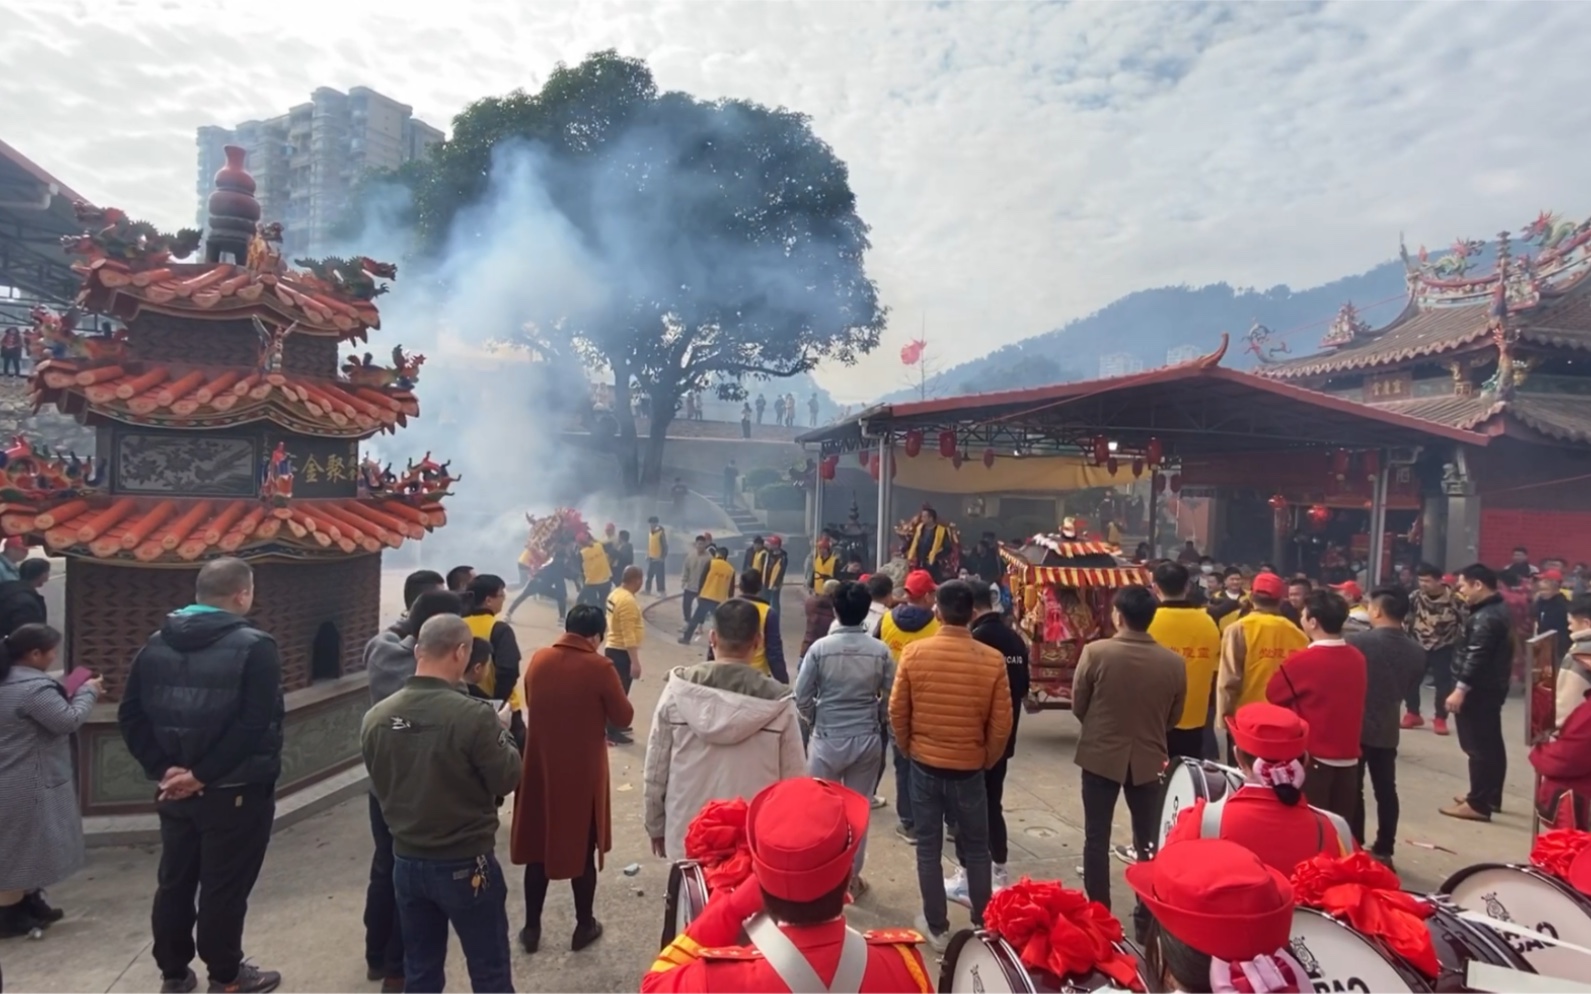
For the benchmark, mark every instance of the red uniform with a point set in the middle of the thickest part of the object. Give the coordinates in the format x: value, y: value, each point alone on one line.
x: 1281, y: 835
x: 706, y: 958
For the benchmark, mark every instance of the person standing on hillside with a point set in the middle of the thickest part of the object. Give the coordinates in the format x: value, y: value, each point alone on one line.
x: 202, y: 713
x: 1482, y: 668
x: 1189, y: 631
x: 1394, y: 662
x: 1252, y: 648
x: 812, y: 410
x: 626, y: 628
x: 778, y: 409
x: 762, y: 405
x: 1128, y: 692
x: 656, y: 556
x: 563, y: 816
x: 732, y: 478
x: 950, y: 713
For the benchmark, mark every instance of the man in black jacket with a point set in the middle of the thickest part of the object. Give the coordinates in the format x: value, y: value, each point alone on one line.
x: 202, y: 713
x: 1482, y: 666
x: 20, y: 600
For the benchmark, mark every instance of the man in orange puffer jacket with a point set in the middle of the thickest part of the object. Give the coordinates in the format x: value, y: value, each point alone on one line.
x: 950, y: 712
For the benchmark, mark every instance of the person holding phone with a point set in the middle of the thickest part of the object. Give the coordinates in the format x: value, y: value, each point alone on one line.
x: 42, y: 833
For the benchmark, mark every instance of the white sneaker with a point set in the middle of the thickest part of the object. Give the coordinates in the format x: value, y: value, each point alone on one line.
x: 936, y: 940
x: 1000, y: 877
x: 878, y: 802
x: 956, y: 889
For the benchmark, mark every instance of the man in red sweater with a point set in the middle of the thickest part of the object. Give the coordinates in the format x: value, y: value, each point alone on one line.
x: 1324, y: 684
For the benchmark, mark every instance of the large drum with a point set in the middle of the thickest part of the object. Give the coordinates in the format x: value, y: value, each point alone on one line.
x: 1531, y: 899
x: 1458, y: 944
x: 982, y: 961
x: 687, y: 896
x: 1188, y: 780
x: 1337, y: 958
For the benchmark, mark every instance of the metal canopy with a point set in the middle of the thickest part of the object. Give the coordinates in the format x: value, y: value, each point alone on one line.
x: 1193, y: 408
x: 35, y: 213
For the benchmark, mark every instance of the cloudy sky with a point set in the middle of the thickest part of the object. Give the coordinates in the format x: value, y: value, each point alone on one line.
x: 1021, y: 164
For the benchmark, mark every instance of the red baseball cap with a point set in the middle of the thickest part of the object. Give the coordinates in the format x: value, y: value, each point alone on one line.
x: 775, y: 541
x: 1350, y: 590
x: 920, y: 583
x: 1217, y: 897
x: 803, y: 834
x: 1552, y: 574
x: 1269, y: 732
x: 1269, y: 585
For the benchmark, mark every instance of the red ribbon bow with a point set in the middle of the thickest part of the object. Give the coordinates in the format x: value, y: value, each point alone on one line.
x: 1060, y: 931
x: 1555, y: 850
x: 1368, y: 896
x: 716, y: 839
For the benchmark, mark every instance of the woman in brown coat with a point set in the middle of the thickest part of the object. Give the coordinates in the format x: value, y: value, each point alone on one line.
x: 563, y: 822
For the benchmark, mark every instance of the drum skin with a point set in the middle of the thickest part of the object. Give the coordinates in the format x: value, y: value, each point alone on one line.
x: 1458, y: 943
x: 685, y: 899
x: 1531, y: 899
x: 1189, y: 780
x: 1337, y: 958
x: 982, y: 961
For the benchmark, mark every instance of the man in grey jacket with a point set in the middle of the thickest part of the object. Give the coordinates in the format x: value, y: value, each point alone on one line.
x: 389, y: 659
x: 842, y: 691
x: 690, y: 578
x: 1394, y: 662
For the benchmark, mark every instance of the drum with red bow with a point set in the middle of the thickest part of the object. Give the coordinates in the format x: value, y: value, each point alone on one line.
x: 1189, y: 780
x: 1339, y: 958
x: 684, y: 900
x: 1533, y: 901
x: 979, y: 960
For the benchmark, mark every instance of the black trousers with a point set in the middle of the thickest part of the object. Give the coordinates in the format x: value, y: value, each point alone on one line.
x: 621, y: 662
x: 1480, y: 735
x: 994, y: 790
x: 383, y: 936
x: 583, y: 886
x: 687, y: 604
x: 544, y: 584
x: 1185, y: 742
x: 654, y: 571
x: 1381, y: 762
x: 211, y: 846
x: 1439, y: 667
x: 1099, y: 810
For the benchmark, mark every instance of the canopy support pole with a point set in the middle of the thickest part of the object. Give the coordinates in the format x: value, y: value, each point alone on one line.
x: 1154, y: 549
x: 1378, y: 523
x: 886, y: 460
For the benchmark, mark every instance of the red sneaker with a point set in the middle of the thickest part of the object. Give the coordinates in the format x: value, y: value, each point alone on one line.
x: 1439, y: 726
x: 1411, y: 720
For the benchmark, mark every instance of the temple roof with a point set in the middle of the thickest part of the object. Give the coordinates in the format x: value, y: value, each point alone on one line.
x: 152, y: 530
x: 1414, y: 334
x: 176, y: 396
x: 225, y: 290
x: 1560, y: 417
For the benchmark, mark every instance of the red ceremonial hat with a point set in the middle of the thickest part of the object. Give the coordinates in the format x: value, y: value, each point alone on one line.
x: 1350, y: 590
x: 1270, y: 585
x: 920, y: 583
x: 1552, y: 574
x: 803, y: 834
x: 1217, y: 897
x: 1269, y: 732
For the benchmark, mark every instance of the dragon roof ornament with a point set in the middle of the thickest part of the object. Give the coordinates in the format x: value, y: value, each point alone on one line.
x: 1546, y: 255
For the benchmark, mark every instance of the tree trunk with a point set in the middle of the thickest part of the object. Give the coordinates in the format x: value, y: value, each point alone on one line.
x: 652, y: 456
x: 625, y: 448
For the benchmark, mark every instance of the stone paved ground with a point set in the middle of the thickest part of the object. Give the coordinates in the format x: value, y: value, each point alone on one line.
x: 305, y: 915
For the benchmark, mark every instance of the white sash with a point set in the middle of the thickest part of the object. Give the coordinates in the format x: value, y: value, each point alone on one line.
x: 792, y: 966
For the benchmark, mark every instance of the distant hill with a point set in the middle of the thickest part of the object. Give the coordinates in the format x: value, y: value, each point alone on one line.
x: 1149, y: 323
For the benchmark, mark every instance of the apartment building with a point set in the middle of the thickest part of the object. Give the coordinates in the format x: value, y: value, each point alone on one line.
x: 1119, y: 364
x: 307, y: 161
x: 1182, y: 353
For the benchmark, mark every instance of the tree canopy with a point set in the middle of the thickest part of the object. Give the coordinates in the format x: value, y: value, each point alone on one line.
x: 723, y: 235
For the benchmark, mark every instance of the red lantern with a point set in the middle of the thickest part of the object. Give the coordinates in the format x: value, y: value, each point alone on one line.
x: 1176, y: 483
x: 914, y: 443
x: 988, y: 458
x: 947, y: 444
x: 1159, y: 483
x: 1111, y: 465
x: 827, y: 467
x: 956, y: 459
x: 1339, y: 464
x: 872, y: 465
x: 1372, y: 464
x: 863, y: 457
x: 1277, y: 502
x: 1137, y: 466
x: 1101, y: 450
x: 1155, y: 451
x: 1319, y: 516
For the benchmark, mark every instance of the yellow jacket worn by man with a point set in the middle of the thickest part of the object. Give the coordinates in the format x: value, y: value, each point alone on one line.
x: 905, y: 623
x: 626, y: 632
x: 1254, y: 647
x: 1188, y: 630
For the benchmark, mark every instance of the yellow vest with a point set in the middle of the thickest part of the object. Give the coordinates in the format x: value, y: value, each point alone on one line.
x: 719, y: 581
x: 897, y: 639
x: 594, y: 563
x: 654, y: 544
x: 481, y: 628
x: 1268, y: 639
x: 1190, y: 632
x: 822, y: 569
x: 759, y: 659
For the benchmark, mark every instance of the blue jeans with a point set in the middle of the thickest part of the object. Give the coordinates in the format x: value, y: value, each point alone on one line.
x: 433, y: 893
x: 964, y: 801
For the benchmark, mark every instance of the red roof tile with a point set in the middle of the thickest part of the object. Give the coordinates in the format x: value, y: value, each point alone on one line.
x: 157, y: 393
x: 226, y: 290
x: 184, y: 530
x: 1414, y: 334
x: 1560, y: 416
x: 1447, y: 409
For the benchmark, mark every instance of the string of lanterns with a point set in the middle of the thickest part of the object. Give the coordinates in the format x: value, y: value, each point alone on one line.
x: 1101, y: 448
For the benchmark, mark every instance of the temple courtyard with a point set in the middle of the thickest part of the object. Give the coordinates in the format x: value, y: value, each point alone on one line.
x: 305, y: 916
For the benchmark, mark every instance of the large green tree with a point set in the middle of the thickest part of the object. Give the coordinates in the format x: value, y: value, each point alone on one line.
x: 724, y: 234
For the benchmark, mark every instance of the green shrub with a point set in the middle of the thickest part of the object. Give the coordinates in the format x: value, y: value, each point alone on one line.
x: 781, y: 497
x: 761, y: 477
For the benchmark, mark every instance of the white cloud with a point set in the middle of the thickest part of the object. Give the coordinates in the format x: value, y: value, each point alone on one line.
x: 1020, y: 164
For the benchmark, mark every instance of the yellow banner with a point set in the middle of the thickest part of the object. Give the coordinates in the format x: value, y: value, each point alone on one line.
x: 933, y: 472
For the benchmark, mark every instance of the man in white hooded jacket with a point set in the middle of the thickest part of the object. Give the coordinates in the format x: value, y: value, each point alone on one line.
x: 721, y: 730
